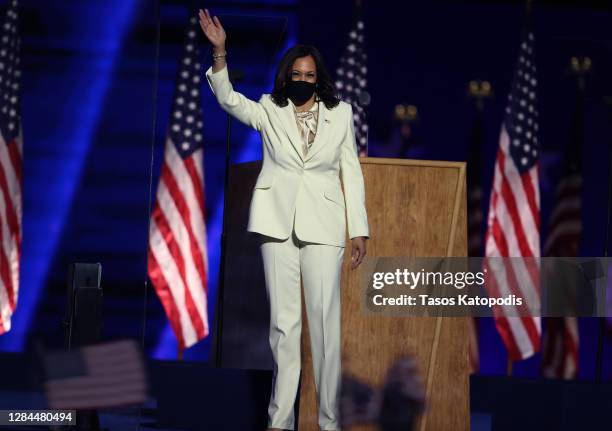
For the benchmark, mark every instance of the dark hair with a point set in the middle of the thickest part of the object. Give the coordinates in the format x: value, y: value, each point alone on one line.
x: 325, y: 89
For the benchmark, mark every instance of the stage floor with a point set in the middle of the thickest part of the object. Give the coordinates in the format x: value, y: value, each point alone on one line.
x: 194, y: 396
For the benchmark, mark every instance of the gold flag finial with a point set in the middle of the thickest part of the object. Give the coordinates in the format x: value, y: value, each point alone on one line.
x: 406, y: 113
x: 480, y: 90
x: 580, y: 67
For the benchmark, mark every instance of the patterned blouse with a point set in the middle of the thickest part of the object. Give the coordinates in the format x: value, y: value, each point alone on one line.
x: 307, y: 125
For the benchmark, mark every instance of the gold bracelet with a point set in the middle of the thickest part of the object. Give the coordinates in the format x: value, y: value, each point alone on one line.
x: 217, y: 55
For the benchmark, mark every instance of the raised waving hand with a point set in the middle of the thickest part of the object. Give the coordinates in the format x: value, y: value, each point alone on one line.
x: 212, y: 28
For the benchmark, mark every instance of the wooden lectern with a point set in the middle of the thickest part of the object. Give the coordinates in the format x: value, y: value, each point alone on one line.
x: 415, y: 208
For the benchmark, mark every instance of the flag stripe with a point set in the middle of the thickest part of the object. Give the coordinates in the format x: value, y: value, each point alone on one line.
x: 520, y: 334
x: 179, y: 278
x: 531, y: 187
x: 5, y: 266
x: 196, y: 183
x: 12, y: 210
x: 569, y: 204
x: 8, y: 188
x: 507, y: 278
x: 511, y: 193
x: 119, y: 397
x: 165, y: 294
x: 185, y: 247
x: 186, y: 198
x: 111, y: 374
x: 176, y: 287
x: 15, y: 157
x: 198, y: 220
x: 502, y: 324
x: 560, y: 357
x: 10, y: 167
x: 564, y: 233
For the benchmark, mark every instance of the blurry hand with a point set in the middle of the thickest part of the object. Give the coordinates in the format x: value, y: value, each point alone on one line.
x: 394, y: 406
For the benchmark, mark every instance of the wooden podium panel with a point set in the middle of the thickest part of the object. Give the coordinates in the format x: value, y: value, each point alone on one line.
x: 415, y: 208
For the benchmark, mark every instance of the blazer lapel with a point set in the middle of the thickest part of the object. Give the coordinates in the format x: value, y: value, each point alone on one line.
x: 291, y: 128
x: 322, y: 123
x: 288, y: 118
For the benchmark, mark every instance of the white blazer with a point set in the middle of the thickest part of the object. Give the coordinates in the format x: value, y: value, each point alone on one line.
x: 290, y: 184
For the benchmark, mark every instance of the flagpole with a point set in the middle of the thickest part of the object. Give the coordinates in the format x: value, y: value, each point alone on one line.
x: 580, y: 67
x: 221, y: 283
x: 234, y: 76
x: 406, y: 115
x: 528, y: 7
x: 602, y: 320
x: 478, y: 91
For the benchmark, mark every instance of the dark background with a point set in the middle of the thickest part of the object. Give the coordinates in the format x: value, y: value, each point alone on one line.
x: 97, y: 87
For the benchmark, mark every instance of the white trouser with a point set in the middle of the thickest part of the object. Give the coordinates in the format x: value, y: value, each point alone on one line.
x: 320, y: 267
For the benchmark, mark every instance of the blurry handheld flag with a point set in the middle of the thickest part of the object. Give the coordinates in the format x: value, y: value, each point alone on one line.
x: 351, y: 82
x: 11, y: 155
x: 513, y: 220
x: 95, y: 376
x: 177, y: 256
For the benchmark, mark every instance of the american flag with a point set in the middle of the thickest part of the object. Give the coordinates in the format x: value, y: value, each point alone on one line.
x: 560, y: 342
x: 74, y: 378
x: 351, y: 82
x: 178, y: 259
x: 513, y: 223
x: 475, y: 217
x: 11, y: 150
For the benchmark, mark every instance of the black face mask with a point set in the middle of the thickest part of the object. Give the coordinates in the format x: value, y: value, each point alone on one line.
x: 300, y: 91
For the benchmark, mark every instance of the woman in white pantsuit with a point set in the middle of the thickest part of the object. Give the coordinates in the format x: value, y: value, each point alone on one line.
x: 300, y: 212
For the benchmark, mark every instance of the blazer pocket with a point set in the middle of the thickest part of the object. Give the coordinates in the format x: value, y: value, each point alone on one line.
x: 264, y: 181
x: 334, y: 195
